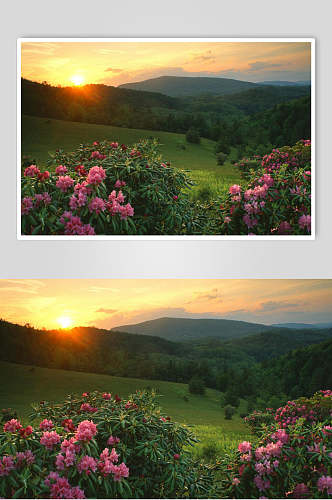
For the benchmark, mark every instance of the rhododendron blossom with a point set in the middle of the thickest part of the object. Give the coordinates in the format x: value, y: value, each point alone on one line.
x: 46, y: 425
x: 86, y: 430
x: 96, y: 175
x: 50, y: 439
x: 6, y: 465
x: 61, y: 170
x: 12, y: 425
x: 235, y: 189
x: 31, y: 171
x: 64, y: 183
x: 97, y: 205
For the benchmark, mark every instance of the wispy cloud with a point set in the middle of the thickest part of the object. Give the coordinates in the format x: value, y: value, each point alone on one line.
x: 106, y: 311
x: 114, y: 70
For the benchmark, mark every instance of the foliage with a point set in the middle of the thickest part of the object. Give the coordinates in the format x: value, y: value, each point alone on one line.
x: 221, y: 158
x: 192, y: 136
x: 106, y: 188
x: 229, y: 412
x: 292, y: 458
x: 77, y: 449
x: 196, y: 386
x: 277, y: 199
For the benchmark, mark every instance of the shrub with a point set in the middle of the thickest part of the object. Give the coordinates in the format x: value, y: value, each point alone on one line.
x: 106, y: 188
x: 100, y: 446
x: 292, y: 458
x: 196, y: 386
x: 277, y: 200
x: 231, y: 398
x: 221, y: 158
x: 229, y: 412
x: 192, y: 136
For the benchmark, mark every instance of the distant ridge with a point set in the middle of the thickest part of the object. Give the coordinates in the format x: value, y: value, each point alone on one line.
x: 181, y: 86
x: 285, y: 83
x: 183, y: 329
x: 301, y: 326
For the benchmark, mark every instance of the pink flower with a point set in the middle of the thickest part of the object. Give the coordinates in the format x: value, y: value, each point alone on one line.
x: 236, y: 481
x: 175, y: 197
x: 6, y: 465
x: 267, y: 179
x: 86, y: 430
x: 114, y: 145
x: 46, y: 425
x: 61, y: 170
x: 107, y: 395
x: 26, y: 205
x: 112, y: 440
x: 64, y: 183
x: 31, y: 171
x: 12, y: 425
x: 120, y: 471
x: 119, y: 184
x: 244, y: 447
x: 235, y: 189
x: 49, y: 439
x: 77, y: 200
x: 305, y: 222
x: 97, y: 205
x: 96, y: 175
x: 284, y: 227
x: 325, y: 483
x: 227, y: 219
x: 24, y: 456
x: 249, y: 222
x: 60, y: 487
x: 301, y: 490
x: 261, y: 483
x: 87, y: 464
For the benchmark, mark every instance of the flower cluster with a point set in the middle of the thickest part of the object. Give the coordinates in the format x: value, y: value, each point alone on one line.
x: 108, y: 190
x: 277, y: 200
x: 292, y: 458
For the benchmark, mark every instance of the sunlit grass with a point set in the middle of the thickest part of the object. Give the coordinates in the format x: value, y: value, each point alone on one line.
x: 42, y: 136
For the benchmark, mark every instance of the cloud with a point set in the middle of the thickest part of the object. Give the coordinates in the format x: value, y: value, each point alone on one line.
x: 114, y: 70
x: 260, y: 65
x: 102, y: 289
x: 21, y: 286
x: 106, y: 311
x: 203, y: 57
x: 209, y: 295
x: 274, y: 305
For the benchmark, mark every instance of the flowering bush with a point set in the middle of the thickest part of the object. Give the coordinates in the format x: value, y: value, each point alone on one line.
x: 277, y: 199
x: 106, y: 188
x: 99, y: 446
x: 292, y: 458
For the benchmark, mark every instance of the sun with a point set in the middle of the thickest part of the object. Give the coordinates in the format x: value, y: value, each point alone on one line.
x: 77, y: 80
x: 65, y: 321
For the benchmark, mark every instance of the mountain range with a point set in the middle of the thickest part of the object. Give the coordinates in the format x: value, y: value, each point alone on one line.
x: 184, y: 86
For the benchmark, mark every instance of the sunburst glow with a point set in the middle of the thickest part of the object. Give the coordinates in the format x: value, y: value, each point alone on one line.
x: 65, y: 321
x: 77, y: 80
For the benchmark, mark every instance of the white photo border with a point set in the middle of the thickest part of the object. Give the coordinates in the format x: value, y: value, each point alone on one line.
x: 311, y: 237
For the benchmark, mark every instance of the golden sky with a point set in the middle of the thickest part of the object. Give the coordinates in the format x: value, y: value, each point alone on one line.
x: 114, y: 63
x: 108, y: 303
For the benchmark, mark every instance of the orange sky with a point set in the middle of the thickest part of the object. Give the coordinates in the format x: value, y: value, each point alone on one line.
x: 108, y: 303
x: 114, y: 63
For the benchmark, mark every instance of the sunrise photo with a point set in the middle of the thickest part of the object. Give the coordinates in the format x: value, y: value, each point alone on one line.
x: 165, y: 137
x: 165, y: 388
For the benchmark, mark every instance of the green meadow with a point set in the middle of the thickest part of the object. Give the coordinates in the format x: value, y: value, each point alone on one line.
x: 42, y: 136
x: 23, y: 385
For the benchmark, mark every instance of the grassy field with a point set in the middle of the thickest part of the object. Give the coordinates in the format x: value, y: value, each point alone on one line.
x: 22, y: 385
x: 41, y: 136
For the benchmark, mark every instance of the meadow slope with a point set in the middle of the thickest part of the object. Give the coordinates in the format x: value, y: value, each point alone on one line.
x: 28, y: 384
x: 42, y: 136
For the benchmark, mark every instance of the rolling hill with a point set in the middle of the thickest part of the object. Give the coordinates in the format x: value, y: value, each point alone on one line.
x: 183, y: 329
x: 179, y: 86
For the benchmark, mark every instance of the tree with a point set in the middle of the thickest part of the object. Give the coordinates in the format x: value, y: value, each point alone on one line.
x: 229, y: 412
x: 196, y: 386
x: 192, y: 136
x: 221, y: 158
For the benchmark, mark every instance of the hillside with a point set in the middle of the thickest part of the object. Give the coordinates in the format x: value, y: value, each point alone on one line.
x: 300, y: 326
x: 176, y: 86
x: 267, y: 345
x: 183, y: 329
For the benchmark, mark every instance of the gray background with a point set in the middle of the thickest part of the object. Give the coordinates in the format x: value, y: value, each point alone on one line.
x: 165, y: 259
